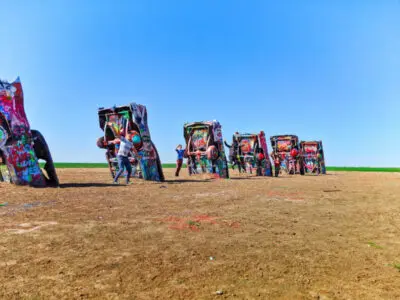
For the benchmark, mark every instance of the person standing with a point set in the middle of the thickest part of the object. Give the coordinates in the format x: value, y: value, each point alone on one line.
x: 179, y: 159
x: 126, y: 145
x: 277, y: 162
x: 240, y: 157
x: 233, y: 154
x: 231, y: 157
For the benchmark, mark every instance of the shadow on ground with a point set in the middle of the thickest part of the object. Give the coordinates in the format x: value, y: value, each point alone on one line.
x: 177, y: 181
x: 87, y: 185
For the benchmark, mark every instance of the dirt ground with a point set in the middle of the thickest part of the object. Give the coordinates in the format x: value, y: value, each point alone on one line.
x: 294, y: 237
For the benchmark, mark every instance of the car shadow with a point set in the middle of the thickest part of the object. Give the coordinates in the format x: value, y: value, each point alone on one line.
x: 249, y: 178
x: 88, y: 184
x: 177, y: 181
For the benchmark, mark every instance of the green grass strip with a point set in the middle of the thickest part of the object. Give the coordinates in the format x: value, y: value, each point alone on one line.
x: 362, y: 169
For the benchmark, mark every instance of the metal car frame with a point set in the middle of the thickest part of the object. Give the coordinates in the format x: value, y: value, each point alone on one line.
x: 312, y: 157
x: 199, y: 136
x: 282, y: 146
x: 248, y: 146
x: 20, y: 147
x: 116, y: 122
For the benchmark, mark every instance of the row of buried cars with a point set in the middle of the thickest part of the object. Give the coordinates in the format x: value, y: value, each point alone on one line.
x: 25, y: 158
x: 205, y: 151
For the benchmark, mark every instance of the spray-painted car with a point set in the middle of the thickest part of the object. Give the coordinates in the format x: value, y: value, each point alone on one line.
x: 312, y: 157
x: 20, y: 147
x: 117, y: 121
x: 287, y: 147
x: 205, y: 149
x: 252, y: 152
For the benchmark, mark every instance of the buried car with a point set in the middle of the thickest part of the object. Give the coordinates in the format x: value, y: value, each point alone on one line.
x: 252, y: 152
x: 20, y: 147
x: 312, y: 157
x: 287, y: 147
x: 116, y: 122
x: 205, y: 149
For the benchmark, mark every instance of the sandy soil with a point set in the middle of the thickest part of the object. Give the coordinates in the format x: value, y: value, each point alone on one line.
x: 301, y: 237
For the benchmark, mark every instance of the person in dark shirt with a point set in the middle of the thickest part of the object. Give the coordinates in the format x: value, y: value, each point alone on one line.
x: 179, y: 160
x: 277, y: 162
x: 259, y: 156
x: 233, y: 154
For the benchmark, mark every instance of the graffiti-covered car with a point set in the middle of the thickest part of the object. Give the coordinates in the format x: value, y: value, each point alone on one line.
x: 205, y: 148
x: 116, y: 122
x: 252, y: 152
x: 20, y: 147
x: 312, y: 157
x: 287, y: 147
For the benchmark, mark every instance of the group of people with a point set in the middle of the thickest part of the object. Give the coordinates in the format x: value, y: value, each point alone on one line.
x: 234, y: 159
x: 193, y: 159
x: 127, y: 145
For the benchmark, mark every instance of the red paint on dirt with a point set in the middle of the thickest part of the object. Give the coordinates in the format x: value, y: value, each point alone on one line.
x: 194, y: 223
x: 290, y: 196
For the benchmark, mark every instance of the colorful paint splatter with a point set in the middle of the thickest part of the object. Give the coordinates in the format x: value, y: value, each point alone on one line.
x: 252, y: 152
x: 287, y: 147
x: 312, y: 157
x: 115, y: 122
x: 16, y: 140
x: 205, y: 148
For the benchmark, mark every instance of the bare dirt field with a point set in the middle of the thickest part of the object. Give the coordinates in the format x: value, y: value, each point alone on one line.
x: 300, y: 237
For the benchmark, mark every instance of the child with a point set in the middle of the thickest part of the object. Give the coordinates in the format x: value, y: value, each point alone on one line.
x: 179, y: 160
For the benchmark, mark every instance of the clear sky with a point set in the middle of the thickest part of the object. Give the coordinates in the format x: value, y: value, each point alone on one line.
x: 325, y: 70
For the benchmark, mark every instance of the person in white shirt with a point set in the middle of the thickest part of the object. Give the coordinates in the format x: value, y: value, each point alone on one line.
x: 126, y: 145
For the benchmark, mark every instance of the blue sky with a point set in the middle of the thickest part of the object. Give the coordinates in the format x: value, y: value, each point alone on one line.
x: 325, y: 70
